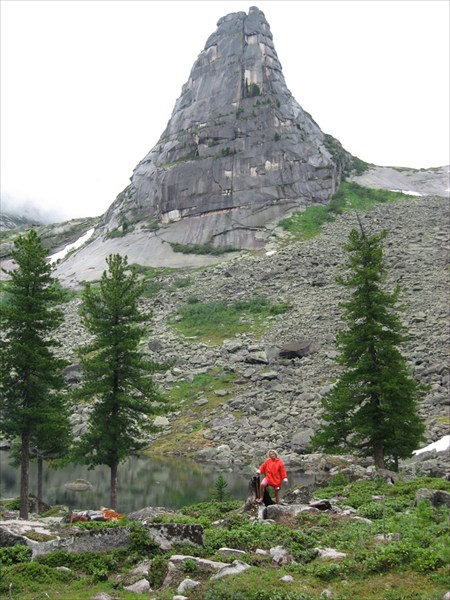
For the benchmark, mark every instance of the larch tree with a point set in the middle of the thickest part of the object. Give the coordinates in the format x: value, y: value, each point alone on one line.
x: 32, y: 406
x: 373, y: 408
x: 116, y: 376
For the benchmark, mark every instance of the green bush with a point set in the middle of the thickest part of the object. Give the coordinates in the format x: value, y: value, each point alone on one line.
x: 12, y: 504
x: 190, y: 566
x: 427, y: 560
x: 211, y: 510
x: 326, y: 571
x: 13, y: 555
x: 27, y: 577
x: 249, y: 536
x: 374, y: 510
x: 141, y: 543
x: 339, y: 480
x: 393, y: 555
x: 220, y: 489
x: 88, y: 563
x: 158, y: 571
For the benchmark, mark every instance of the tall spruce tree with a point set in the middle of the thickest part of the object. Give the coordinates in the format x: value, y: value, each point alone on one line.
x: 115, y: 374
x: 31, y: 404
x: 373, y: 408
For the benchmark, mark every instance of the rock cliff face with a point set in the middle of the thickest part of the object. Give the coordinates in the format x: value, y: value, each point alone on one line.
x: 238, y: 152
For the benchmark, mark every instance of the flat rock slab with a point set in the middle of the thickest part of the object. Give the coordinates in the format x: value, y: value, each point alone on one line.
x: 74, y: 540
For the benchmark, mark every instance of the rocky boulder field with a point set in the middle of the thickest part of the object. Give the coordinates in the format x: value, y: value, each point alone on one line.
x: 275, y: 375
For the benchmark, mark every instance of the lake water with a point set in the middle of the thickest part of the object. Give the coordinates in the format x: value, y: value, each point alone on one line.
x: 169, y: 482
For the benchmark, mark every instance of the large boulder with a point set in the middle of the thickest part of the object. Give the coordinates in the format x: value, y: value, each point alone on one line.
x: 438, y: 498
x: 55, y: 537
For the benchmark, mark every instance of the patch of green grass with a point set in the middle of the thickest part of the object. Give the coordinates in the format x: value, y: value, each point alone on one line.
x: 202, y: 383
x: 217, y: 320
x: 186, y: 433
x: 350, y: 196
x: 202, y: 249
x: 154, y: 279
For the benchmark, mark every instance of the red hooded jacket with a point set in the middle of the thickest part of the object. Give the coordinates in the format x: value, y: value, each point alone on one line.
x: 274, y: 470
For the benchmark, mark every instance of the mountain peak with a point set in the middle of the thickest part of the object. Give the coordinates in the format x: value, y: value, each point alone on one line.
x: 237, y: 155
x: 238, y: 150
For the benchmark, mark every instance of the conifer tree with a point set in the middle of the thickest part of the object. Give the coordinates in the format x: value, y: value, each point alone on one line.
x: 373, y: 408
x: 115, y: 374
x: 31, y: 404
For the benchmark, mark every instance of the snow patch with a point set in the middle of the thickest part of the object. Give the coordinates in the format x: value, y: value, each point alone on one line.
x: 408, y: 193
x: 271, y: 252
x: 80, y: 241
x: 440, y: 446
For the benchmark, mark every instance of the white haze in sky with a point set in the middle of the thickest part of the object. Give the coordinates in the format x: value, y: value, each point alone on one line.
x: 88, y: 87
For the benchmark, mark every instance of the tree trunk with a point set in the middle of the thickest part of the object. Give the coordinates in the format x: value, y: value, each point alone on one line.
x: 24, y: 475
x: 113, y: 486
x: 378, y: 455
x: 39, y: 480
x: 396, y: 462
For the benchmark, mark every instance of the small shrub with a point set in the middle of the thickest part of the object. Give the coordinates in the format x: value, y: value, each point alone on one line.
x: 427, y: 560
x: 326, y: 571
x: 339, y: 480
x: 395, y: 554
x: 211, y: 510
x: 190, y: 566
x: 90, y: 563
x: 220, y: 491
x: 12, y: 504
x: 374, y: 510
x: 27, y: 577
x: 158, y: 571
x: 141, y: 543
x: 14, y: 555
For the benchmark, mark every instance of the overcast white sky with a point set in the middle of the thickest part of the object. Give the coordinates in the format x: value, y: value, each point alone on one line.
x: 87, y: 86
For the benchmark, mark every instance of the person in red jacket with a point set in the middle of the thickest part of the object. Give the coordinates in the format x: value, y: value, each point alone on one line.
x: 275, y: 473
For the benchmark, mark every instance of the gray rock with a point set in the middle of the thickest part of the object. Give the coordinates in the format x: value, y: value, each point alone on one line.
x: 297, y: 349
x: 321, y: 504
x: 236, y: 567
x: 231, y: 551
x: 140, y: 587
x: 203, y: 563
x: 330, y: 553
x: 437, y: 498
x: 145, y: 514
x: 73, y: 540
x: 79, y: 485
x: 280, y: 556
x: 186, y: 585
x: 161, y: 422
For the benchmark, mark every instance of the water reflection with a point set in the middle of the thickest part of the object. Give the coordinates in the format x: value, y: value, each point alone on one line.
x: 141, y: 482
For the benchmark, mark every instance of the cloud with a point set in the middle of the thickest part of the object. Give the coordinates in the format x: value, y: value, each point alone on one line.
x: 32, y: 209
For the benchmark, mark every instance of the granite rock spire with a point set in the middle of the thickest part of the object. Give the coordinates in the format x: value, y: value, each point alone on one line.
x: 238, y: 153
